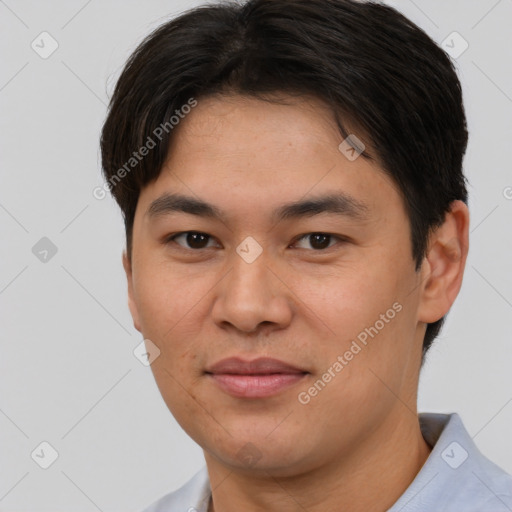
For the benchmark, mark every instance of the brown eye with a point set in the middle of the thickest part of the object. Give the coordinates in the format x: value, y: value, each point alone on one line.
x: 317, y: 241
x: 192, y: 240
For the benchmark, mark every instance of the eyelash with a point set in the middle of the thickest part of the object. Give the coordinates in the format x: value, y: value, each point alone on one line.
x: 171, y: 239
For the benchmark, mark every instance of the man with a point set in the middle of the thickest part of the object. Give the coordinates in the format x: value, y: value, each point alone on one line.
x: 290, y: 174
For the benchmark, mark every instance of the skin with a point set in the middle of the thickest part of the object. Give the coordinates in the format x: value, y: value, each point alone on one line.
x: 357, y: 442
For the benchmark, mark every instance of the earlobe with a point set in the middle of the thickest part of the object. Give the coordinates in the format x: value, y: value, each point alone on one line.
x: 127, y: 265
x: 443, y: 267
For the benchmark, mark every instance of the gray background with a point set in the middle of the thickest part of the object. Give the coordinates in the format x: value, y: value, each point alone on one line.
x: 67, y: 372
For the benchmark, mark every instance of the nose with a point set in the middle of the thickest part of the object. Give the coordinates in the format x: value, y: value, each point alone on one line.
x: 253, y: 297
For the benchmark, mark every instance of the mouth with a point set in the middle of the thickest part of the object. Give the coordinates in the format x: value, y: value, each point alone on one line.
x: 259, y: 378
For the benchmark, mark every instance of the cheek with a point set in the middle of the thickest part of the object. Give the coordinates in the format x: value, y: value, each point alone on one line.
x: 349, y: 299
x: 175, y: 389
x: 168, y: 299
x: 369, y: 323
x: 375, y: 340
x: 362, y: 372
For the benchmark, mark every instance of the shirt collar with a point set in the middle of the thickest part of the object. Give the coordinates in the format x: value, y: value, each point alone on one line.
x: 456, y: 477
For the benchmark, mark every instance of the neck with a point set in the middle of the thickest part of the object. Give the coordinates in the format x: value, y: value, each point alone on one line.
x: 371, y: 476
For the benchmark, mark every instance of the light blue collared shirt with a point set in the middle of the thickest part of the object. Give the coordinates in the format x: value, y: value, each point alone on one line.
x: 456, y: 477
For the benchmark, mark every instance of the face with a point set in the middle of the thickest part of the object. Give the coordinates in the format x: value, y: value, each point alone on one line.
x: 328, y: 287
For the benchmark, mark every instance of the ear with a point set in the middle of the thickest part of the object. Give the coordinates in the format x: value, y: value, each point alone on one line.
x: 127, y: 264
x: 443, y: 267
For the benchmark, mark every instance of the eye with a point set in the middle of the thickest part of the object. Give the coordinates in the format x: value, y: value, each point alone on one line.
x: 194, y: 240
x: 317, y: 241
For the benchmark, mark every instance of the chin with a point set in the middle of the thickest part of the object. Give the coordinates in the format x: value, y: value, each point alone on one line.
x: 278, y: 457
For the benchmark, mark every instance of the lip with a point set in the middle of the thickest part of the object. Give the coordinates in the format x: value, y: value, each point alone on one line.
x: 257, y: 378
x: 259, y: 366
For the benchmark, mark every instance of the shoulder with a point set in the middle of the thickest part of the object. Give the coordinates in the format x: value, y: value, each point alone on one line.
x: 191, y: 497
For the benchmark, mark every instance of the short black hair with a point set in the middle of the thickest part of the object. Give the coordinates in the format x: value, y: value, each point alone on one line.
x: 374, y: 68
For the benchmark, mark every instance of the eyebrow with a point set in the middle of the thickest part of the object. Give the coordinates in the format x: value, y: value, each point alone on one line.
x: 341, y: 204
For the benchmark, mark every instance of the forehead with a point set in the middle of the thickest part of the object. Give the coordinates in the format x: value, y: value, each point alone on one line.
x: 237, y: 150
x: 229, y: 125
